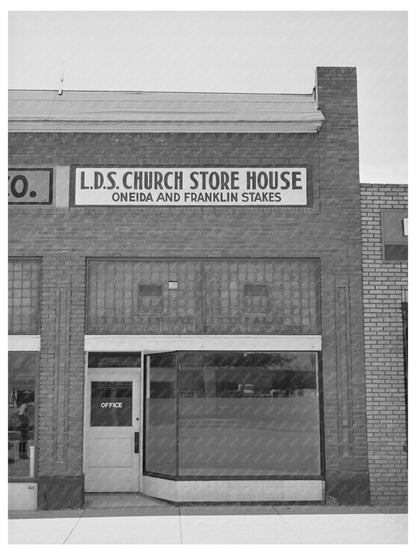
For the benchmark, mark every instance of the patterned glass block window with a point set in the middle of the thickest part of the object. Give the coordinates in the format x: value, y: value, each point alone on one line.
x: 210, y: 297
x: 133, y: 297
x: 271, y: 296
x: 24, y: 296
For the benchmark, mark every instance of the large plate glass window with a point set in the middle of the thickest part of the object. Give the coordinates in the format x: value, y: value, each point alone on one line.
x: 22, y: 410
x: 161, y: 433
x: 233, y: 415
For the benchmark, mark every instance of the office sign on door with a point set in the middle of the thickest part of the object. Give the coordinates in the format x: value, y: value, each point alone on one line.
x: 286, y: 186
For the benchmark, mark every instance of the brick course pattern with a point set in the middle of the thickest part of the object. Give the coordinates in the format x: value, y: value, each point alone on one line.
x: 329, y: 230
x: 383, y: 286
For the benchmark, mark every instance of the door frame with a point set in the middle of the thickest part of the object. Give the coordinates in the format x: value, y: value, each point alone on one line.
x: 87, y: 410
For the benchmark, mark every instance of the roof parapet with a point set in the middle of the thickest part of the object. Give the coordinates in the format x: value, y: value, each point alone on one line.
x: 160, y: 112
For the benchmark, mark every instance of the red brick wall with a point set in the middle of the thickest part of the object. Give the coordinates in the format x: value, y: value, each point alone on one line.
x: 383, y: 284
x: 329, y: 230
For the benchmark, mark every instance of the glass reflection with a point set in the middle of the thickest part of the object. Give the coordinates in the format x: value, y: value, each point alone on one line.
x: 248, y: 414
x: 239, y: 414
x: 21, y: 431
x: 161, y: 408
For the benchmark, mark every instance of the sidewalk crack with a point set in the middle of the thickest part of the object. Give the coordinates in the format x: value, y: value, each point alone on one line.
x: 290, y: 528
x: 73, y: 528
x: 180, y: 527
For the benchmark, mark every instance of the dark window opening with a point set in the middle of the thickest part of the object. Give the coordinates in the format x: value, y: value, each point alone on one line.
x: 150, y: 298
x: 394, y: 234
x: 395, y: 252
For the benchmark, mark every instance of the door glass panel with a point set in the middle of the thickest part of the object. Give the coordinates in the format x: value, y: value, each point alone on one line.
x: 111, y: 403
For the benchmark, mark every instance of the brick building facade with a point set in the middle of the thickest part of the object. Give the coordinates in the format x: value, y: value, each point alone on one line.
x: 294, y: 272
x: 385, y: 299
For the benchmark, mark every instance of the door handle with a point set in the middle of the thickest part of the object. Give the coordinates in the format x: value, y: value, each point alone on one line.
x: 137, y: 442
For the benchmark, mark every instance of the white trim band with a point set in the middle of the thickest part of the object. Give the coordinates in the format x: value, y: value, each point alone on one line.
x: 218, y: 491
x: 24, y: 342
x: 163, y: 343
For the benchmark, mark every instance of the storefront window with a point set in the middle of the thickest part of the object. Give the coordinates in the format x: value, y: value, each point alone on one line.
x: 21, y: 450
x: 253, y: 414
x: 161, y: 414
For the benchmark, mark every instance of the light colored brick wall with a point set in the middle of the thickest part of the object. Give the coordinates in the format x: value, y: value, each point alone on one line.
x: 383, y: 284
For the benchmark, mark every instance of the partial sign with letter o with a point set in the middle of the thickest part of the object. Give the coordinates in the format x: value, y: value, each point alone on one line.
x: 30, y: 186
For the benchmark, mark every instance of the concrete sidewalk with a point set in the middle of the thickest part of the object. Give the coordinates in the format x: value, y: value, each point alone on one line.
x: 164, y: 524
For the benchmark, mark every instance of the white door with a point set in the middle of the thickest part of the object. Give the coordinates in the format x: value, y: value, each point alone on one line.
x: 112, y: 428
